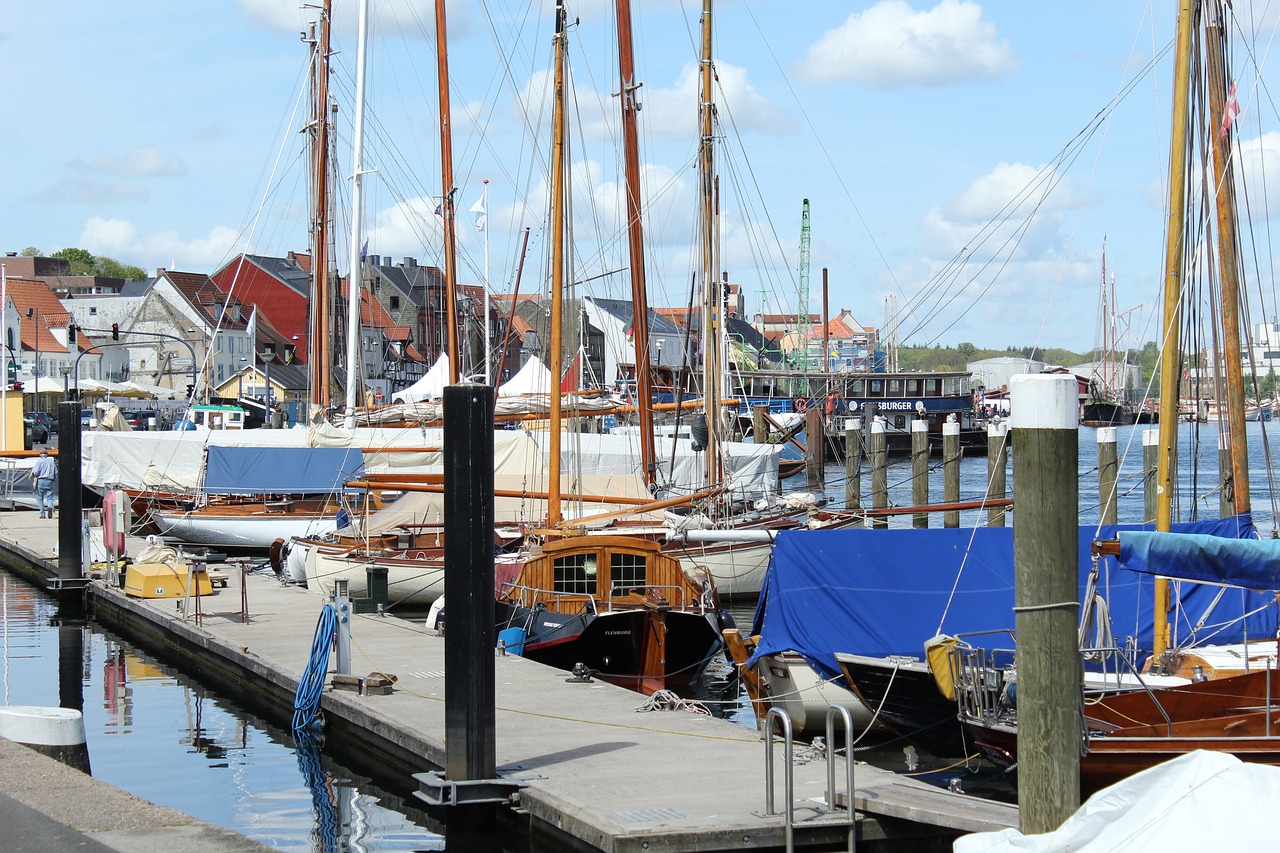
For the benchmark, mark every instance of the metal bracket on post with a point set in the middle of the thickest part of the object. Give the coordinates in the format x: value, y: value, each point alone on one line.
x: 436, y: 790
x: 342, y: 603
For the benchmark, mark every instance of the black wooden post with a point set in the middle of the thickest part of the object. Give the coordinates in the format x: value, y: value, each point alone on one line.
x: 469, y: 692
x: 70, y: 536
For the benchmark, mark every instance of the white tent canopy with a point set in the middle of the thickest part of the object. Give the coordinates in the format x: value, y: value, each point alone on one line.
x: 533, y: 378
x: 429, y: 387
x: 143, y: 389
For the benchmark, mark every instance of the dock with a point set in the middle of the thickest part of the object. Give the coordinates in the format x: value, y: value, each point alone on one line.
x: 594, y: 769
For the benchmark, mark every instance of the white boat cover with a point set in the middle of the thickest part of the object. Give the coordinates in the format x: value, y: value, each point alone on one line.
x: 1198, y: 801
x: 429, y: 387
x: 533, y: 378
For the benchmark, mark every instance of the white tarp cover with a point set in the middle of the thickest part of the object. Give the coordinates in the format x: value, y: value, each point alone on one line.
x: 533, y: 378
x: 429, y: 387
x: 1199, y: 801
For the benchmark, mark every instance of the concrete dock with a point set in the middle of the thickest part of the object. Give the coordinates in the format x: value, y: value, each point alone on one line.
x: 595, y: 771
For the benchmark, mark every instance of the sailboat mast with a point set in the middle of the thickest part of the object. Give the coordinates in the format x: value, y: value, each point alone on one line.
x: 635, y: 240
x: 320, y: 347
x: 356, y: 272
x: 1172, y: 310
x: 446, y: 189
x: 1224, y: 184
x: 556, y: 357
x: 711, y: 300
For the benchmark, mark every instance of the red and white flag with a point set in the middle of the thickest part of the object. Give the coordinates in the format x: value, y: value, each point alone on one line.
x: 1229, y: 111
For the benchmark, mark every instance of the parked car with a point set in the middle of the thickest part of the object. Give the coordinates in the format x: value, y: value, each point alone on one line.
x: 86, y: 418
x: 140, y: 418
x: 39, y: 430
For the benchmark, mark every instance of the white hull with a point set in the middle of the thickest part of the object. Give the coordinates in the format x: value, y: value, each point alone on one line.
x: 791, y: 684
x: 738, y: 568
x: 408, y: 581
x: 239, y: 531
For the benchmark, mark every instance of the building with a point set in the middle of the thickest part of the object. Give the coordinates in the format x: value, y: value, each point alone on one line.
x: 992, y: 374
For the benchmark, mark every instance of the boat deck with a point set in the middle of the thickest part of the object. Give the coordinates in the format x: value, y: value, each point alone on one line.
x: 594, y: 768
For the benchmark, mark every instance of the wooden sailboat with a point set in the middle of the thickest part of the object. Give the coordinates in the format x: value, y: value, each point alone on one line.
x: 610, y: 605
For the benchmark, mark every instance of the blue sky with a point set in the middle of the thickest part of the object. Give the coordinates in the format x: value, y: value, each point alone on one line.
x: 166, y: 135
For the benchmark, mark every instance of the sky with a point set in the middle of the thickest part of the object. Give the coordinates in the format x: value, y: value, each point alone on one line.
x: 965, y: 162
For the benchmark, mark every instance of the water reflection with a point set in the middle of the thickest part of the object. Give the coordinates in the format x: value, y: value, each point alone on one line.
x: 165, y: 737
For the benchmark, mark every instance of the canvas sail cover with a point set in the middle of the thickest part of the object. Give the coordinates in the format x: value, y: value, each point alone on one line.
x: 533, y: 378
x: 429, y: 387
x: 885, y: 592
x: 280, y: 470
x: 1249, y: 563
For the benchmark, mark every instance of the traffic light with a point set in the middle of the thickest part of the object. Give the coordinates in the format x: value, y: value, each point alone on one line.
x: 17, y: 386
x: 115, y: 331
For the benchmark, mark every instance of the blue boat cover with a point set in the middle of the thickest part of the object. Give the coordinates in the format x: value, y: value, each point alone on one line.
x: 885, y: 592
x: 1247, y: 563
x: 280, y: 470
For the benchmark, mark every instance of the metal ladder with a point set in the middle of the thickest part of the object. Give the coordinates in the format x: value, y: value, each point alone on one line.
x: 788, y: 776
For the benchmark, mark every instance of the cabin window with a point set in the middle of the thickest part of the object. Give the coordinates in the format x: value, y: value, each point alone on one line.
x: 626, y: 572
x: 575, y: 574
x: 895, y: 387
x: 932, y: 388
x: 899, y: 421
x: 859, y: 388
x: 877, y: 388
x: 913, y: 387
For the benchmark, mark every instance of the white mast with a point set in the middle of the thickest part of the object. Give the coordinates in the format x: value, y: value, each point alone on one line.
x: 357, y: 263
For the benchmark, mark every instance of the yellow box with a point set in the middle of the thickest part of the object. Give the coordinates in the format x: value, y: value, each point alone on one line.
x: 161, y: 580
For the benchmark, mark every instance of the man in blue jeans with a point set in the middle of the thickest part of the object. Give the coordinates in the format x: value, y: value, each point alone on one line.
x: 44, y: 473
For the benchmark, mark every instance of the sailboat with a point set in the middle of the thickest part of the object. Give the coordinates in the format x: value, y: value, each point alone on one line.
x: 1236, y: 713
x: 608, y: 605
x: 1107, y: 384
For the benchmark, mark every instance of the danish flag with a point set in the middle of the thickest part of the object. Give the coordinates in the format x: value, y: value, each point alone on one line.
x: 1229, y: 111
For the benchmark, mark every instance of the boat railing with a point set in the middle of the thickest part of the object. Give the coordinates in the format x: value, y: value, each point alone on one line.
x: 980, y: 682
x: 529, y: 596
x: 1142, y: 682
x: 623, y: 591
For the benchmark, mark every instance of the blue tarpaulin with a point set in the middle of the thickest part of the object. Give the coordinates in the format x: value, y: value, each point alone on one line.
x: 1247, y: 563
x: 280, y: 470
x: 885, y: 592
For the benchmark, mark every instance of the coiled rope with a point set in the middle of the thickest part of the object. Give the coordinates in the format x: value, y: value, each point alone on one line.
x: 306, y: 703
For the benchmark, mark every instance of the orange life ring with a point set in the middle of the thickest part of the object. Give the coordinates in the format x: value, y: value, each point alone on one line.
x: 801, y: 404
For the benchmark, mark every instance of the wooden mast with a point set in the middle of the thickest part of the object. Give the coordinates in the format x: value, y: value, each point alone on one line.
x: 635, y: 241
x: 556, y: 356
x: 1224, y: 186
x: 711, y: 301
x: 1172, y: 310
x: 320, y: 350
x: 446, y: 201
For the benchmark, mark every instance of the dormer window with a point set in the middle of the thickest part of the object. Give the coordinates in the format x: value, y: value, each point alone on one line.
x: 395, y: 302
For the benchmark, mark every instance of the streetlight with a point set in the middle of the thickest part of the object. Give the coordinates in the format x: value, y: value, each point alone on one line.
x: 66, y: 380
x: 34, y: 314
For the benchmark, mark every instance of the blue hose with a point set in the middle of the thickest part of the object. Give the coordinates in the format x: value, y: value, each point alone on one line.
x: 306, y: 703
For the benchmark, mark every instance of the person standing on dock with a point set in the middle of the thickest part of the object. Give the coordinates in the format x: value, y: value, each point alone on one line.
x: 44, y: 473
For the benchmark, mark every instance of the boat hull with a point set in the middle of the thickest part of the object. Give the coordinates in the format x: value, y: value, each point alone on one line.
x: 907, y: 698
x: 417, y: 582
x: 239, y: 531
x: 789, y: 683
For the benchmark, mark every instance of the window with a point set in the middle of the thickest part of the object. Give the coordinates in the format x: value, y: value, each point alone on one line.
x: 395, y: 303
x: 575, y: 574
x: 899, y: 421
x: 93, y: 312
x: 932, y: 387
x: 877, y: 388
x: 913, y: 387
x: 895, y: 387
x: 627, y: 572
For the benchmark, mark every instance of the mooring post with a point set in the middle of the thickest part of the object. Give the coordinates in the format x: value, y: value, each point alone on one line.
x: 997, y: 454
x: 70, y: 541
x: 759, y: 427
x: 469, y: 692
x: 920, y: 470
x: 853, y: 463
x: 951, y: 470
x: 815, y: 440
x: 1045, y: 432
x: 1108, y: 475
x: 879, y: 455
x: 1150, y: 459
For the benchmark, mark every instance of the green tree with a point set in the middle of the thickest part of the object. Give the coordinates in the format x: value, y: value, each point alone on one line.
x: 31, y: 252
x: 111, y: 268
x: 966, y: 350
x: 81, y: 260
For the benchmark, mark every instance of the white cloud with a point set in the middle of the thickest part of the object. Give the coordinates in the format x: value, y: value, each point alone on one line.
x: 404, y: 228
x: 1259, y: 170
x: 403, y: 18
x: 892, y: 45
x: 120, y: 239
x: 140, y: 160
x: 673, y: 113
x: 85, y: 191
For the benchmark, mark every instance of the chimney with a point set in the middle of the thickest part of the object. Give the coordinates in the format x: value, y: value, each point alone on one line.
x: 159, y: 271
x: 410, y: 263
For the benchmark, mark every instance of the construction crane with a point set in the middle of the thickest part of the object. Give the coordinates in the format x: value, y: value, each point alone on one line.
x: 802, y: 287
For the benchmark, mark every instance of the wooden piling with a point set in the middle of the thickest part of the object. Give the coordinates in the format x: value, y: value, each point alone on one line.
x: 815, y: 441
x: 997, y: 454
x: 759, y: 426
x: 1150, y: 458
x: 853, y: 463
x: 920, y: 470
x: 951, y: 471
x: 1045, y: 432
x: 470, y: 636
x: 1108, y: 475
x: 879, y: 456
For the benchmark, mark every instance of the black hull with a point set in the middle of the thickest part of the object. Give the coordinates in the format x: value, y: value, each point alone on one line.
x: 913, y: 707
x: 611, y: 643
x: 1106, y: 414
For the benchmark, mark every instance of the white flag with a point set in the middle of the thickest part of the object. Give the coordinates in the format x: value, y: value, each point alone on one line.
x: 251, y: 328
x: 478, y: 210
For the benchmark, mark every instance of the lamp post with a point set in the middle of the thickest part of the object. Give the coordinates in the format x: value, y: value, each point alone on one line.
x: 34, y: 314
x: 66, y: 381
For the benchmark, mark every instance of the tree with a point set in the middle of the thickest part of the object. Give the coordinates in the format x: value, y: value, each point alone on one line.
x: 31, y: 252
x: 111, y: 268
x: 81, y: 260
x: 966, y: 350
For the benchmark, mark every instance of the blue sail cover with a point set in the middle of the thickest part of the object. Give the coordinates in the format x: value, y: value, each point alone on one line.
x: 1247, y: 563
x: 280, y: 470
x: 885, y: 592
